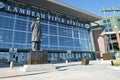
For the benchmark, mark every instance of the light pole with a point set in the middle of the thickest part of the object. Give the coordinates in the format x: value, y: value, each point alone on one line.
x: 117, y: 35
x: 68, y: 52
x: 12, y: 51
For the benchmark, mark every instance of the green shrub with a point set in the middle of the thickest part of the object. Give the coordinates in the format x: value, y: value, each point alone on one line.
x: 116, y: 63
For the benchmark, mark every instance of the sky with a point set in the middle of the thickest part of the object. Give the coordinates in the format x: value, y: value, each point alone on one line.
x: 94, y: 6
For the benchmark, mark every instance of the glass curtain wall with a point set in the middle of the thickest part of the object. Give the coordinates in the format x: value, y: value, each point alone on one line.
x: 15, y: 32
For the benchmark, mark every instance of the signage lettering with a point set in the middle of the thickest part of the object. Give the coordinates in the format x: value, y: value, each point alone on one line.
x: 21, y: 11
x: 2, y: 5
x: 15, y: 10
x: 43, y: 15
x: 28, y: 12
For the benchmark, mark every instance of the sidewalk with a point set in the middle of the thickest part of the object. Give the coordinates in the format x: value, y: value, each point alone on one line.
x: 7, y: 73
x: 97, y: 70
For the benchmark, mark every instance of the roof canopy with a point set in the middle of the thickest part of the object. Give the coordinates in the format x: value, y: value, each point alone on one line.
x: 57, y: 6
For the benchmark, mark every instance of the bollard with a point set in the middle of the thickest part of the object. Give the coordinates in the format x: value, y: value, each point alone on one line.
x: 66, y: 62
x: 97, y: 60
x: 112, y: 64
x: 85, y: 61
x: 11, y: 64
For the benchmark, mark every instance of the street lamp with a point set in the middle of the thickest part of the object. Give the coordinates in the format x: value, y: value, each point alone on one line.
x: 68, y: 52
x: 12, y: 51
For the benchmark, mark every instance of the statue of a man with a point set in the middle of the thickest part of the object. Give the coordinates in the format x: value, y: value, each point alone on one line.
x: 36, y: 35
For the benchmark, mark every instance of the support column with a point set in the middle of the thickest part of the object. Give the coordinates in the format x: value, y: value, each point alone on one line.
x: 117, y: 35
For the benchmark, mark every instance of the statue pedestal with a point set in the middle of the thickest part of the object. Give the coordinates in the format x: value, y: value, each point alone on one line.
x: 37, y: 61
x: 37, y: 67
x: 37, y: 57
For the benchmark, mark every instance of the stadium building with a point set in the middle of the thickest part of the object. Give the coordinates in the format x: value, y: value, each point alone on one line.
x: 106, y: 35
x: 65, y: 30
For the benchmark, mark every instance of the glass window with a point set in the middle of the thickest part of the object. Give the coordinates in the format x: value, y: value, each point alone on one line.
x: 63, y: 48
x: 19, y: 46
x: 110, y: 29
x: 109, y: 25
x: 21, y: 25
x: 113, y: 36
x: 20, y: 37
x: 44, y: 47
x: 43, y: 21
x: 64, y: 56
x: 29, y: 25
x: 53, y: 47
x: 106, y: 30
x: 76, y: 34
x: 65, y: 32
x: 31, y: 19
x: 62, y: 25
x: 105, y: 25
x: 65, y: 41
x: 29, y: 46
x: 77, y: 43
x: 9, y: 14
x: 53, y: 23
x: 106, y: 21
x: 82, y: 35
x: 77, y: 28
x: 84, y: 45
x: 29, y: 38
x: 6, y: 25
x: 5, y: 45
x: 21, y: 17
x: 118, y: 20
x: 53, y: 30
x: 6, y: 36
x: 53, y: 40
x: 61, y: 56
x: 44, y: 40
x: 118, y: 24
x: 79, y: 56
x: 44, y: 28
x: 2, y: 13
x: 78, y: 49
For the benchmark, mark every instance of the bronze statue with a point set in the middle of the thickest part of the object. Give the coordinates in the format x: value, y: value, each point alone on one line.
x: 36, y: 35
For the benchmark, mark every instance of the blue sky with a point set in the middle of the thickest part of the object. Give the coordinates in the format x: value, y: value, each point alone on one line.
x: 94, y: 6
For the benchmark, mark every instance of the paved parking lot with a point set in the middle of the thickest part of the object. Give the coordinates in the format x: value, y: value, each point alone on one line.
x: 97, y: 70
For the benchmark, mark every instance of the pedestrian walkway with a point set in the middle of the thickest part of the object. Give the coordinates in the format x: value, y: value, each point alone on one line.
x: 96, y: 70
x: 8, y: 74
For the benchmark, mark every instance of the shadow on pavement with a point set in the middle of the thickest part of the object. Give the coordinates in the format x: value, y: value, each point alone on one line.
x: 23, y: 75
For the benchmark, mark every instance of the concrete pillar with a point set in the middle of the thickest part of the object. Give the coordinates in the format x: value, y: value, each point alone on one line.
x: 117, y: 35
x: 11, y: 64
x: 66, y: 62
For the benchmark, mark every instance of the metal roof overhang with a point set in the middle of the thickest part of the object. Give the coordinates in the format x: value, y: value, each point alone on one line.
x: 57, y: 6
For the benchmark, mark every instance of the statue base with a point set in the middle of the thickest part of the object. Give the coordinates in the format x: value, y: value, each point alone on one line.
x: 37, y: 57
x: 37, y: 67
x: 37, y: 61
